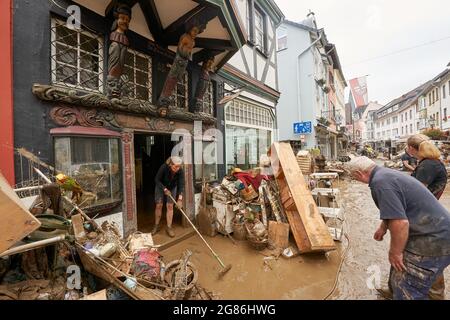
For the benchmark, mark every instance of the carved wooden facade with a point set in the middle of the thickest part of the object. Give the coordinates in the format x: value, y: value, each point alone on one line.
x: 109, y: 75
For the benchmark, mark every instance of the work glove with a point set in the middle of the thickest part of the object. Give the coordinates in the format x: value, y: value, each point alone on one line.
x: 167, y: 192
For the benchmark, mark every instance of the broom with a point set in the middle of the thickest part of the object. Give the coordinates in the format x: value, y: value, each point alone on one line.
x: 225, y: 268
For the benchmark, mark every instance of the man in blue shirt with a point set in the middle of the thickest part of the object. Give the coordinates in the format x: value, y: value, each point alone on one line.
x: 419, y: 226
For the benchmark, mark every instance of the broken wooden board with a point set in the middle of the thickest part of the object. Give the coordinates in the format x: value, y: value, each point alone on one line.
x: 100, y: 295
x: 279, y: 234
x: 91, y: 266
x: 78, y: 227
x: 16, y: 222
x: 308, y: 227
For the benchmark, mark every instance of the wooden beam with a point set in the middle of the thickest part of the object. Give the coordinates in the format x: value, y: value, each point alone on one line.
x: 153, y: 20
x: 202, y: 12
x: 310, y: 232
x: 16, y: 222
x: 213, y: 44
x: 203, y: 54
x: 109, y: 11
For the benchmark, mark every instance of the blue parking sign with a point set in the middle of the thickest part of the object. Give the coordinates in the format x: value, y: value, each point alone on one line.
x: 303, y: 127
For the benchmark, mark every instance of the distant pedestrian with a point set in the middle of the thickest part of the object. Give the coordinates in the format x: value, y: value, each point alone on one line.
x: 419, y: 227
x: 409, y: 161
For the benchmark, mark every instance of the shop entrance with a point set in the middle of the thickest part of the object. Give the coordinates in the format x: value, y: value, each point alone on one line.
x: 150, y: 151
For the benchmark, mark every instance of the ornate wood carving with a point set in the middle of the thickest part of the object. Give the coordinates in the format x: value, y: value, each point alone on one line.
x: 99, y: 101
x: 161, y: 125
x: 118, y: 48
x: 128, y: 174
x: 203, y: 83
x: 184, y: 53
x: 70, y: 116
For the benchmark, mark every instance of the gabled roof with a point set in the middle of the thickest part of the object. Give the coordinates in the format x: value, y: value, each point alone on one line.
x: 331, y: 49
x: 407, y: 99
x: 299, y: 25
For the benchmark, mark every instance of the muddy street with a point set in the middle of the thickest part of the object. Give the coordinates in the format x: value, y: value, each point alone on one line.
x: 366, y: 260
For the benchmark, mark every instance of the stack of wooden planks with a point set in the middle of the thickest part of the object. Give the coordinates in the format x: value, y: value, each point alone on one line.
x: 307, y: 225
x: 305, y: 162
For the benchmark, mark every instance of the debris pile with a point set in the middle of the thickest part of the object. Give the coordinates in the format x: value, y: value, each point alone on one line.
x: 263, y: 205
x: 50, y: 257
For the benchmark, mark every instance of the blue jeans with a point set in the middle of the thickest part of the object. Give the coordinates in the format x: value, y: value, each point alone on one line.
x: 420, y: 274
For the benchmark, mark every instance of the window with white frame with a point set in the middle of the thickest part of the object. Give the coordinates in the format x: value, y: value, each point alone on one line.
x: 138, y: 68
x: 260, y: 40
x: 249, y: 129
x: 76, y: 57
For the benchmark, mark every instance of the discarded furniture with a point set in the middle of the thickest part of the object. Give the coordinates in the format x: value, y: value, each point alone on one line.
x: 16, y: 222
x: 329, y: 203
x: 308, y: 227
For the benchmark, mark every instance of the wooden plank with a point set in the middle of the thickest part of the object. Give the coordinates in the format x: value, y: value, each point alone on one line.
x: 308, y: 227
x: 91, y: 266
x: 279, y: 234
x: 78, y: 228
x: 16, y: 222
x: 100, y: 295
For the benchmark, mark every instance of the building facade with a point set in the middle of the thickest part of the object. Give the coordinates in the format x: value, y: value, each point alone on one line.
x: 311, y: 91
x: 399, y: 119
x: 109, y: 99
x: 250, y: 119
x: 435, y: 102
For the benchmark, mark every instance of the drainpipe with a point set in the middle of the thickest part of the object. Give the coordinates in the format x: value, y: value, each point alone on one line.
x: 298, y: 76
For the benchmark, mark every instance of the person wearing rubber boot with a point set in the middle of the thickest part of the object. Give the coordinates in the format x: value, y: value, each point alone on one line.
x: 169, y: 181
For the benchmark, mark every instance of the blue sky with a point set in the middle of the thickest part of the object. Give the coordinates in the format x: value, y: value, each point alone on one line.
x: 366, y: 29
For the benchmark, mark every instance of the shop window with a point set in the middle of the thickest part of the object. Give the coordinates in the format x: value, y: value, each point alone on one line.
x: 138, y: 68
x: 76, y: 57
x: 207, y: 170
x: 94, y: 164
x: 245, y: 146
x: 249, y: 130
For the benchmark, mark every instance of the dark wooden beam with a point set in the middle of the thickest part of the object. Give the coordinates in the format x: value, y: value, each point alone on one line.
x: 152, y: 18
x: 225, y: 60
x: 203, y: 54
x: 109, y: 11
x: 214, y: 44
x: 202, y: 12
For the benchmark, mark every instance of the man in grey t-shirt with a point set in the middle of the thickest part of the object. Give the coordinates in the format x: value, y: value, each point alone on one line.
x: 419, y: 226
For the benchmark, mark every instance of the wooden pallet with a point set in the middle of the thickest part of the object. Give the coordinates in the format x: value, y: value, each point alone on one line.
x: 308, y: 227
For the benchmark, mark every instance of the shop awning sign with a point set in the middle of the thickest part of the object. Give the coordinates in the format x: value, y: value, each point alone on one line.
x: 303, y: 127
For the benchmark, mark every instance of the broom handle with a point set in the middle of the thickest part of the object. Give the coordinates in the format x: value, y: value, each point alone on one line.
x: 195, y: 228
